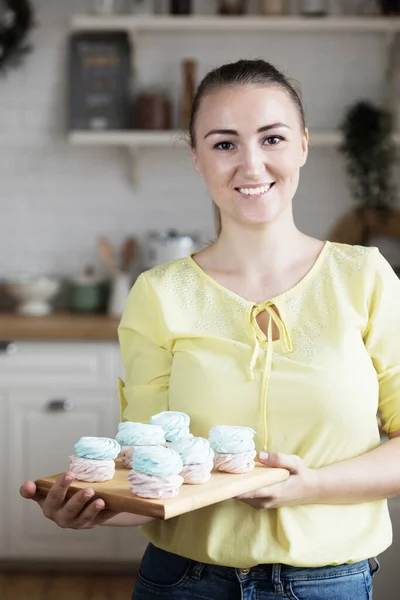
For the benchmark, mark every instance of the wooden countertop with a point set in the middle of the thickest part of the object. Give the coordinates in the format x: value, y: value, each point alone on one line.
x: 58, y: 326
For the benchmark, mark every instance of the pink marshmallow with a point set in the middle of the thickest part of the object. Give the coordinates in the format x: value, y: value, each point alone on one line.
x: 235, y: 463
x: 87, y: 469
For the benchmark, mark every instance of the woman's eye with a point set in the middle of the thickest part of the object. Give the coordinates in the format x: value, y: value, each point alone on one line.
x: 272, y: 140
x: 224, y: 146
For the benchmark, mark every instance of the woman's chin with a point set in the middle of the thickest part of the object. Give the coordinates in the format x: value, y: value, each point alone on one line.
x: 258, y: 220
x: 258, y: 212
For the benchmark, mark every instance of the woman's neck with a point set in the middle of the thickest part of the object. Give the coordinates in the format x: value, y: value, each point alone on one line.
x: 253, y: 251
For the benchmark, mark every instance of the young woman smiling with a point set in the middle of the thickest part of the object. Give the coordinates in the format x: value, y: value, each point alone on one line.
x: 270, y: 328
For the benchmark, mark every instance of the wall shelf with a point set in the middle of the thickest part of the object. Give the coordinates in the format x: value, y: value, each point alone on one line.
x: 127, y: 139
x: 154, y: 139
x: 206, y: 23
x: 136, y: 140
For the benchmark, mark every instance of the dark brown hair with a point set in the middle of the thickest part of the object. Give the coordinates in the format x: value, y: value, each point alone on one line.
x: 243, y: 72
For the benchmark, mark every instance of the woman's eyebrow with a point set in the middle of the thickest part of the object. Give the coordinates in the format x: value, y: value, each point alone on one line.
x: 234, y: 132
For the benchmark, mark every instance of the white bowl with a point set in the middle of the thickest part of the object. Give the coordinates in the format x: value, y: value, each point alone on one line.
x: 33, y: 294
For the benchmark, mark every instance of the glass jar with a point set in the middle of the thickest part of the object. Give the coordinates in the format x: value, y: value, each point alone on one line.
x: 313, y: 8
x: 153, y: 110
x: 272, y: 7
x: 232, y: 7
x: 180, y: 7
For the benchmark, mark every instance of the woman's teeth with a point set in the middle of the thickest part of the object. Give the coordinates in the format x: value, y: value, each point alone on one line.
x: 263, y: 189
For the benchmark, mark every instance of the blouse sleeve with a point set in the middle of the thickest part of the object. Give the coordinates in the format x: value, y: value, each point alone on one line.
x: 145, y: 356
x: 382, y: 338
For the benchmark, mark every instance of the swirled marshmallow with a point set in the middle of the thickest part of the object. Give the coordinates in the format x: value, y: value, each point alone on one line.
x: 86, y: 469
x: 193, y: 450
x: 175, y: 424
x: 226, y: 439
x: 126, y: 454
x: 235, y: 463
x: 152, y: 486
x: 196, y: 474
x: 156, y: 460
x: 139, y: 434
x: 98, y: 448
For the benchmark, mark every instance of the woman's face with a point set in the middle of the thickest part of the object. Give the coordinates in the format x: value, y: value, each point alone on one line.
x: 250, y: 146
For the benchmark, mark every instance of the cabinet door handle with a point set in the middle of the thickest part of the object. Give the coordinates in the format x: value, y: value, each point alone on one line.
x: 59, y: 405
x: 7, y: 347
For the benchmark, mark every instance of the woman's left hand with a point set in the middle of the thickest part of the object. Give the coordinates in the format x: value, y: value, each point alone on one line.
x: 300, y: 488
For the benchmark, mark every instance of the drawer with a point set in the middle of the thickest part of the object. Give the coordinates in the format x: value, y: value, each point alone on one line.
x: 76, y: 364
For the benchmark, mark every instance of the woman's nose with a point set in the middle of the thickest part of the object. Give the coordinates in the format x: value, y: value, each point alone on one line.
x: 252, y: 162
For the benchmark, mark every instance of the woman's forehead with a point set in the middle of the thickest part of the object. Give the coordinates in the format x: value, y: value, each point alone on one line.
x: 245, y: 105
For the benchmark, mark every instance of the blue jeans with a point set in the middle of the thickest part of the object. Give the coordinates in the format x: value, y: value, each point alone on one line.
x: 166, y: 576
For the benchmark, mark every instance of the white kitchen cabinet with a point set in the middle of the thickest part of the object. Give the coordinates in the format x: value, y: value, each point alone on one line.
x: 51, y: 394
x: 387, y: 581
x: 44, y: 424
x: 72, y: 364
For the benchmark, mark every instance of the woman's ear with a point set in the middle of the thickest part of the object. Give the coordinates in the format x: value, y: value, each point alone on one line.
x: 196, y: 163
x: 304, y: 148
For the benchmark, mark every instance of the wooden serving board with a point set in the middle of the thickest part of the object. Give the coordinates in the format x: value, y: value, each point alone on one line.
x: 222, y: 486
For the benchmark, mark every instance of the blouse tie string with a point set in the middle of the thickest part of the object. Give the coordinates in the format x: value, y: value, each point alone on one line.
x: 262, y: 340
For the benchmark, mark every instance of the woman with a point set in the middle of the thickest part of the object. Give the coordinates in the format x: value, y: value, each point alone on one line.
x: 273, y: 329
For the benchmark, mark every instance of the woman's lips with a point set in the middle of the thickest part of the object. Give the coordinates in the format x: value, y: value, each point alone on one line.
x: 255, y: 191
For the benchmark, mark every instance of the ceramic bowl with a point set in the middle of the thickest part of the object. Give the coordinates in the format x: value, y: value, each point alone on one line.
x: 33, y: 294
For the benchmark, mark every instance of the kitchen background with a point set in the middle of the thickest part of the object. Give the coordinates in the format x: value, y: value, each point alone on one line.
x: 59, y: 196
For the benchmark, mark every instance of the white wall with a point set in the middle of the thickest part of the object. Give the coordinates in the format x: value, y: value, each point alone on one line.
x: 56, y: 199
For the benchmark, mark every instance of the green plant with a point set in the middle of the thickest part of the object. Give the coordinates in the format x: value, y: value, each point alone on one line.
x: 370, y: 155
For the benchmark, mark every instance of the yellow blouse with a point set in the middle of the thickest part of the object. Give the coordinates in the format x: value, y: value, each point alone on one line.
x: 191, y: 345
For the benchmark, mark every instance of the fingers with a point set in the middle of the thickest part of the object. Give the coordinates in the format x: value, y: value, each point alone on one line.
x: 266, y: 497
x: 82, y: 511
x: 264, y: 492
x: 56, y: 496
x: 259, y: 504
x: 75, y: 505
x: 291, y: 462
x: 28, y: 490
x: 104, y: 516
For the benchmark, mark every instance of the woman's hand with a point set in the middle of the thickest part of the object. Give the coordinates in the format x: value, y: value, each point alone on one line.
x: 81, y: 511
x: 301, y: 487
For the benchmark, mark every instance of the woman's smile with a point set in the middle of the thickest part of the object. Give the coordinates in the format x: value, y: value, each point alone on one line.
x: 255, y: 191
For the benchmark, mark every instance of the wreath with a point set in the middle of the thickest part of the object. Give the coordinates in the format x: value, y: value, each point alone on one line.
x: 16, y: 20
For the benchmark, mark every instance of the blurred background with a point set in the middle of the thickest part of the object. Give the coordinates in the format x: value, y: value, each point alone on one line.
x: 97, y: 184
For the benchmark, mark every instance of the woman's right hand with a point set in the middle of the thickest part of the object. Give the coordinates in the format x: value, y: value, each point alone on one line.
x: 82, y: 511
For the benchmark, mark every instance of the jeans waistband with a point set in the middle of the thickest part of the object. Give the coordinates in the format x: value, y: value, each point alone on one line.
x: 272, y: 572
